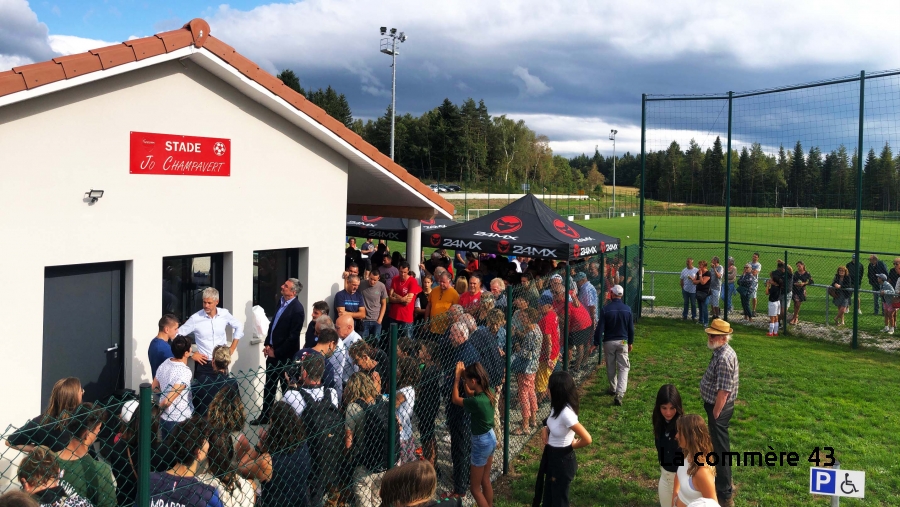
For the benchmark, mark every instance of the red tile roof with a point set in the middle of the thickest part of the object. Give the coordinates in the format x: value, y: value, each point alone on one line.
x: 196, y: 32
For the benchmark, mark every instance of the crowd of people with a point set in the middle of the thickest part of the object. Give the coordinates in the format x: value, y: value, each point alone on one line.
x: 334, y: 373
x: 710, y: 285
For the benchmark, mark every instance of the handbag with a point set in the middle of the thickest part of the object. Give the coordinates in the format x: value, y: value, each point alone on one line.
x: 702, y: 295
x: 743, y: 291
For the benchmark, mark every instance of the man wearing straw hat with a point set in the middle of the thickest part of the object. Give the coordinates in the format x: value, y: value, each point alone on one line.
x: 719, y: 388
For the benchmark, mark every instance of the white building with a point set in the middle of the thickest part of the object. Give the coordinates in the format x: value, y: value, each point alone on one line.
x: 84, y: 283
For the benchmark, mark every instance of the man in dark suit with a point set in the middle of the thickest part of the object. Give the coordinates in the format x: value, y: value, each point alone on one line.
x: 282, y: 342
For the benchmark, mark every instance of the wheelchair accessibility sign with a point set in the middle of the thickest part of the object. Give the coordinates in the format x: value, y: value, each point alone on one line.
x: 837, y: 482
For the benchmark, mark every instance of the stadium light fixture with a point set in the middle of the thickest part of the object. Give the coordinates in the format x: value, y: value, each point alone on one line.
x: 612, y: 137
x: 389, y: 47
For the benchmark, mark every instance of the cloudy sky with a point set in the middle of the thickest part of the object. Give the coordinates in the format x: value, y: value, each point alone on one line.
x: 572, y: 70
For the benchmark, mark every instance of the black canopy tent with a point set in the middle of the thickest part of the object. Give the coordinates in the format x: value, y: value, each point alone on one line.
x: 395, y: 229
x: 527, y: 228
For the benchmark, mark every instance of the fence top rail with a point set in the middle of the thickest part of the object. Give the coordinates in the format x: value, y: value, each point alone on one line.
x: 751, y: 93
x: 762, y: 280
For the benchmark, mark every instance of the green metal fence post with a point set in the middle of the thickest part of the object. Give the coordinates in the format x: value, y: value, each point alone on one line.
x: 146, y: 408
x: 601, y: 297
x: 392, y: 399
x: 566, y: 319
x: 643, y: 177
x: 859, y: 172
x: 728, y: 195
x: 784, y: 292
x: 506, y: 389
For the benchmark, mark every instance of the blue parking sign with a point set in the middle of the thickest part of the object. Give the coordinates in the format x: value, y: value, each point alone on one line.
x: 822, y: 481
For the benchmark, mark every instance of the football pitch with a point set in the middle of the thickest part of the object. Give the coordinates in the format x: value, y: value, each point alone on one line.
x: 664, y: 260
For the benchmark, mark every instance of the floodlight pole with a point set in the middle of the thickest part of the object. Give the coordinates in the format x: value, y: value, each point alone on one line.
x: 389, y: 47
x: 612, y: 136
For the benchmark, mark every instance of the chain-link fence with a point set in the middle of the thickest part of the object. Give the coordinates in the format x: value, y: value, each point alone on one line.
x: 349, y: 408
x: 797, y: 173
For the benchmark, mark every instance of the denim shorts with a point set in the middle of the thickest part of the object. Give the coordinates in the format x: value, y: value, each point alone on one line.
x: 483, y: 448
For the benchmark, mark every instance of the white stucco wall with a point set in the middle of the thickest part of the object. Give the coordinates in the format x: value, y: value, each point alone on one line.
x: 286, y: 190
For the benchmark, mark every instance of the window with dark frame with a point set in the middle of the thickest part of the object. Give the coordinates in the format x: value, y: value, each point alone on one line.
x: 184, y: 279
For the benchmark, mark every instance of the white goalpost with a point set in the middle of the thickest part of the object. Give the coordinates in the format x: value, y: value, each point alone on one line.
x: 798, y: 211
x: 479, y: 212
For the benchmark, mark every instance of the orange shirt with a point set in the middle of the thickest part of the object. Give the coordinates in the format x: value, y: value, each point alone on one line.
x: 441, y: 300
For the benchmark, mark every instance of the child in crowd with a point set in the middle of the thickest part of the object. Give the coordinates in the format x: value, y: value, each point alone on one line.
x: 525, y: 365
x: 693, y: 482
x: 173, y: 382
x: 429, y: 403
x: 480, y: 405
x: 39, y: 476
x: 665, y: 418
x: 412, y: 485
x: 558, y: 462
x: 407, y: 377
x: 178, y: 485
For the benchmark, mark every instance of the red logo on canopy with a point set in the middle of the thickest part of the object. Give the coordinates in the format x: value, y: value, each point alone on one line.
x: 506, y: 225
x: 602, y: 246
x: 576, y: 250
x: 503, y: 247
x: 370, y: 219
x: 428, y: 222
x: 435, y: 239
x: 565, y: 229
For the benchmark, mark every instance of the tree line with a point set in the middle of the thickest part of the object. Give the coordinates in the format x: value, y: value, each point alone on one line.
x: 465, y: 144
x: 792, y: 177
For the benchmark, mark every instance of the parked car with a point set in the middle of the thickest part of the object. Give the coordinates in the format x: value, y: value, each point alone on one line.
x: 454, y: 188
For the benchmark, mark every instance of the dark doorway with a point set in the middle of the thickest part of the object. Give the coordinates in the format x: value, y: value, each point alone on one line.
x: 270, y: 269
x: 184, y: 279
x: 83, y: 328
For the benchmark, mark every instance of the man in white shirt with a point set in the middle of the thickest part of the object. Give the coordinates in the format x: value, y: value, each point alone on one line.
x: 208, y: 327
x: 344, y: 328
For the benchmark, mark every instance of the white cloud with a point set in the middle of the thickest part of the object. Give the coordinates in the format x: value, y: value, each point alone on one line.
x: 531, y: 85
x: 573, y: 135
x: 70, y: 44
x: 21, y: 34
x: 9, y: 61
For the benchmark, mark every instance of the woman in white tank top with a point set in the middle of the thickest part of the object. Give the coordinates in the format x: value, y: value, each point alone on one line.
x: 693, y: 482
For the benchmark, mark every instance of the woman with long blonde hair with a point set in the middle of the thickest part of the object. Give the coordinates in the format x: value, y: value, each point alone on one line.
x: 693, y: 481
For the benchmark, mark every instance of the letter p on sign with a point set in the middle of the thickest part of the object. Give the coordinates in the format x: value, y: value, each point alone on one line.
x: 821, y: 481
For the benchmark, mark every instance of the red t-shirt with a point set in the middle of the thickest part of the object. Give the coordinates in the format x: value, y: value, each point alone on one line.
x: 549, y: 325
x: 403, y: 312
x: 579, y: 318
x: 467, y: 299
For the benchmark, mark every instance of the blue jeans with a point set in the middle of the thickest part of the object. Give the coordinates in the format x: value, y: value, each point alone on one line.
x: 370, y: 328
x: 166, y: 427
x: 689, y: 297
x: 704, y: 311
x: 727, y: 294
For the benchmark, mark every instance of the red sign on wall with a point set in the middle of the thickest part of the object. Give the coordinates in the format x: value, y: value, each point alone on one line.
x: 179, y: 155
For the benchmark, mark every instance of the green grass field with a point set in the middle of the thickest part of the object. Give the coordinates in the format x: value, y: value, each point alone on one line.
x: 795, y: 395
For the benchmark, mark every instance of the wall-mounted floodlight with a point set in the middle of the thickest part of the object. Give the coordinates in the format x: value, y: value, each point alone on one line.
x: 383, y: 30
x: 93, y: 196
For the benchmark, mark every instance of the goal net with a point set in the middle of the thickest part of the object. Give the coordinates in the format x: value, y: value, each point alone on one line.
x: 788, y: 211
x: 475, y: 213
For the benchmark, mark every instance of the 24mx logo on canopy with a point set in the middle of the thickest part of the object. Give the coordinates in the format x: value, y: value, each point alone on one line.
x: 435, y: 240
x: 503, y: 247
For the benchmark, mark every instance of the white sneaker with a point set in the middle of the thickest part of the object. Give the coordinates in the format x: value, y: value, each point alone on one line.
x: 859, y: 310
x: 886, y: 329
x: 891, y: 331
